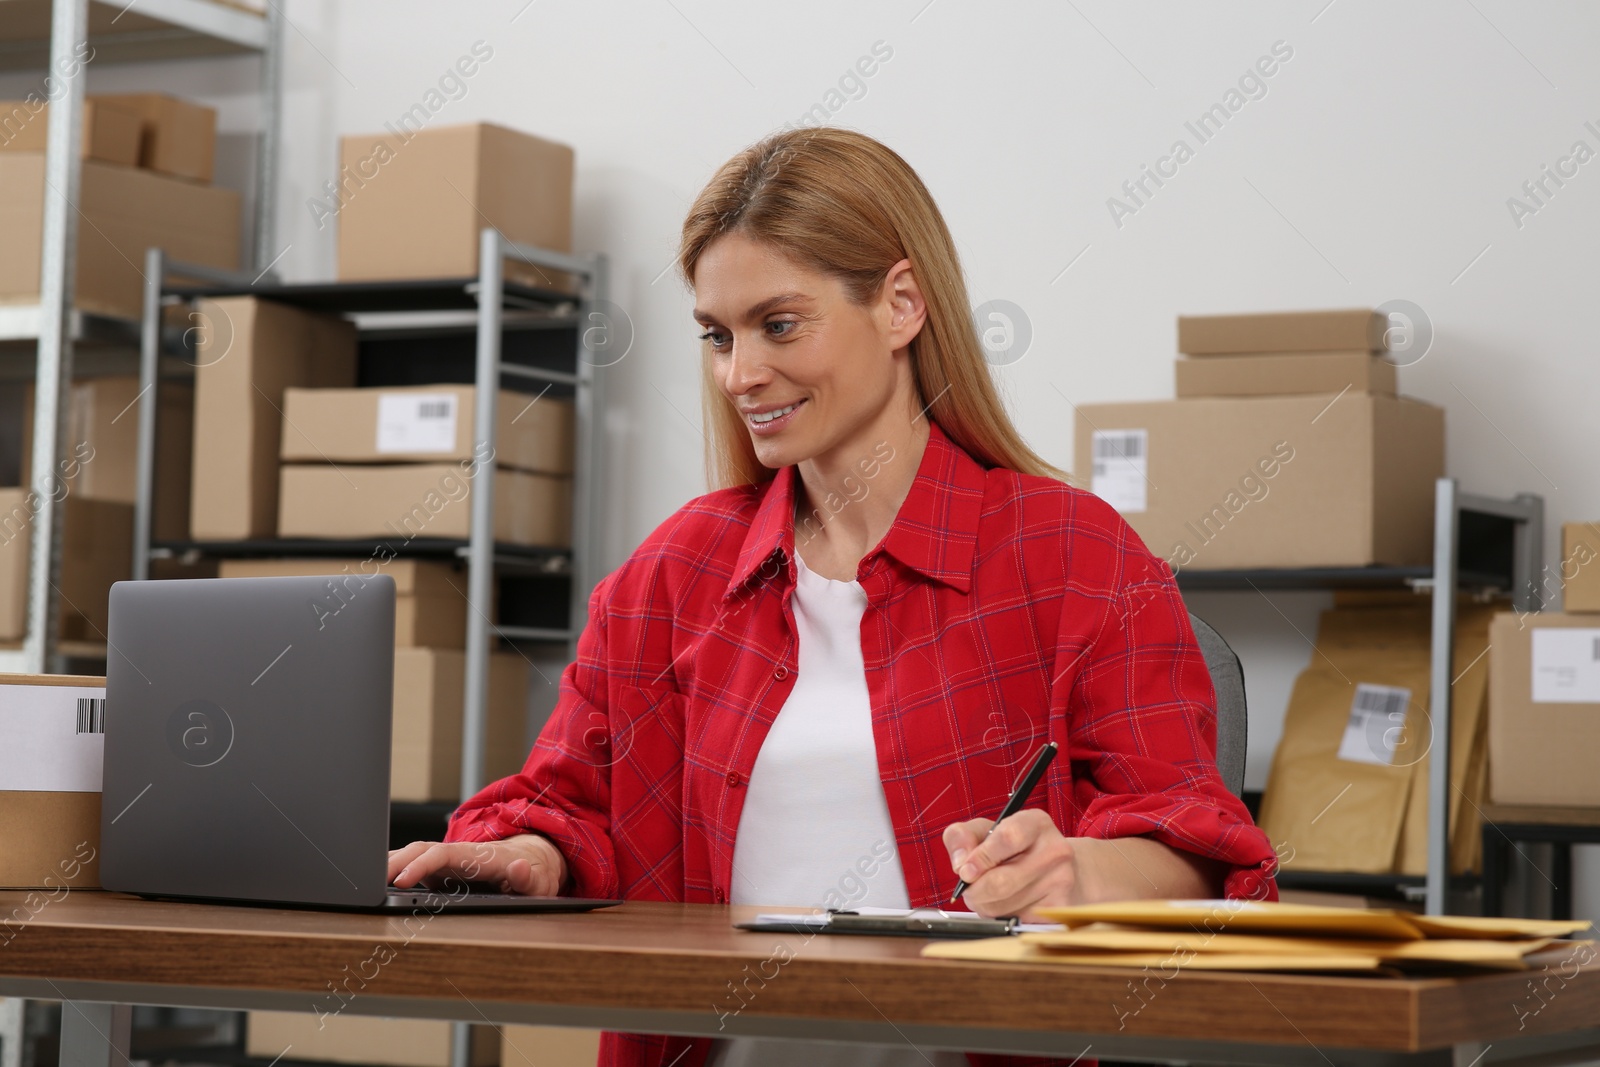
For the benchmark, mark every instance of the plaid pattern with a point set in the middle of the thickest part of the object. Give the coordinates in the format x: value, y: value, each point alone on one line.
x: 1003, y: 610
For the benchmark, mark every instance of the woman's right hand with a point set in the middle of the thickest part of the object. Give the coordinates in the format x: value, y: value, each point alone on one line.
x: 527, y: 864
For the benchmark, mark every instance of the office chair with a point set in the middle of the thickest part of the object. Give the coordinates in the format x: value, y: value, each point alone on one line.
x: 1227, y: 678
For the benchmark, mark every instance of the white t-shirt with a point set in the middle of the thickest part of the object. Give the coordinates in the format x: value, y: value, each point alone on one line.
x: 815, y: 829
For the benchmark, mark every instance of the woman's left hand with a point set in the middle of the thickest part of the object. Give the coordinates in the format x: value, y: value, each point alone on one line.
x: 1024, y: 865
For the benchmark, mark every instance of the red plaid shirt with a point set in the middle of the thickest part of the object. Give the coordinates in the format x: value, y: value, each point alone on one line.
x: 1003, y: 610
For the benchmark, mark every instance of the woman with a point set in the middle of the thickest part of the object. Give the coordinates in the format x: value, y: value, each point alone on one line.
x: 808, y: 687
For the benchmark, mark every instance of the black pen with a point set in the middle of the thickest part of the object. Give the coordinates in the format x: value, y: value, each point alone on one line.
x: 1019, y: 796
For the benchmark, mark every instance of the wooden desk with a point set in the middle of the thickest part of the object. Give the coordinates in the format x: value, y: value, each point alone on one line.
x: 666, y: 968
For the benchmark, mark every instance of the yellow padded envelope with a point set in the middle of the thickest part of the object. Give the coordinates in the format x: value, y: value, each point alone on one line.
x: 1016, y: 950
x: 1309, y: 920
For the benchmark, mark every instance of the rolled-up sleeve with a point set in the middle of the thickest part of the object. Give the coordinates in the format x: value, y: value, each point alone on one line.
x: 564, y: 789
x: 1142, y: 735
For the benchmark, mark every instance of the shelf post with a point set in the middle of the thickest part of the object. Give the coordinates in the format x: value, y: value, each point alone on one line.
x: 149, y: 401
x: 593, y: 314
x: 53, y: 374
x: 1528, y: 561
x: 266, y: 228
x: 480, y: 547
x: 1446, y: 521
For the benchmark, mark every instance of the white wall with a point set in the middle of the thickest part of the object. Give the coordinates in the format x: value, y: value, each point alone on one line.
x: 1377, y: 166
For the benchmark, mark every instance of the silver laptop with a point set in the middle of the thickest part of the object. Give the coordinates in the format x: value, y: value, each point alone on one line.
x: 247, y: 737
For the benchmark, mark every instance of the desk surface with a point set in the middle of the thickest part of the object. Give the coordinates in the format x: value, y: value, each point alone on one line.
x: 676, y: 969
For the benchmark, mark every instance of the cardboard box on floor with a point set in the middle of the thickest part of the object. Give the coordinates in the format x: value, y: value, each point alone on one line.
x: 430, y: 609
x: 1580, y: 566
x: 1297, y: 481
x: 250, y: 352
x: 548, y: 1046
x: 96, y: 551
x: 122, y: 211
x: 110, y: 134
x: 49, y: 788
x: 364, y: 1039
x: 1285, y: 375
x: 428, y: 696
x: 1282, y: 331
x: 424, y: 423
x: 1348, y: 786
x: 103, y: 414
x: 420, y: 500
x: 1544, y: 709
x: 177, y: 137
x: 413, y: 205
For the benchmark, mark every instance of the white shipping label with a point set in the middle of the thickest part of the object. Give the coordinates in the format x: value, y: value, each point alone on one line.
x: 52, y: 738
x: 1566, y: 666
x: 1377, y: 719
x: 417, y: 422
x: 1122, y: 469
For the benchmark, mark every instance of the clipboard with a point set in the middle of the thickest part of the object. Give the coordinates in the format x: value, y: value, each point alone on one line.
x: 919, y: 922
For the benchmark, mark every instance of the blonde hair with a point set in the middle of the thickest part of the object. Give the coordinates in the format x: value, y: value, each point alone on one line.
x: 848, y: 206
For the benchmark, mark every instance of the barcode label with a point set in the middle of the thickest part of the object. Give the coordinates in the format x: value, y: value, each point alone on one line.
x: 1121, y: 469
x: 417, y: 423
x: 1566, y: 665
x: 91, y: 715
x: 1376, y: 724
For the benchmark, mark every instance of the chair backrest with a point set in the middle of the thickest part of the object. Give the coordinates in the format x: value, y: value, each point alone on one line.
x: 1227, y: 677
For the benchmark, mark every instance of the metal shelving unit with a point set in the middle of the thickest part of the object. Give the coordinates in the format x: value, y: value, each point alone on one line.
x: 53, y: 35
x: 1480, y: 543
x: 487, y: 308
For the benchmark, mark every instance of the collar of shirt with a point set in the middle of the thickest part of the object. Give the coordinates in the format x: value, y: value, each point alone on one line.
x: 935, y: 532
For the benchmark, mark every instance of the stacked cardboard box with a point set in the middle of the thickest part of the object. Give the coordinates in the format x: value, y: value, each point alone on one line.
x: 429, y: 672
x: 148, y: 162
x: 1331, y: 469
x: 1283, y: 353
x: 250, y: 352
x: 398, y: 464
x: 97, y: 479
x: 350, y: 1038
x: 1544, y: 700
x: 411, y: 203
x: 1348, y: 788
x: 51, y: 748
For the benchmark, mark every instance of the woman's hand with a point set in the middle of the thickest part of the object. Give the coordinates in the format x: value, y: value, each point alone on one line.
x: 527, y: 864
x: 1028, y: 864
x: 1024, y: 865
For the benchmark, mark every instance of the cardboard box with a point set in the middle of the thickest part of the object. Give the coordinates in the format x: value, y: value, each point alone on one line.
x: 367, y: 1039
x: 51, y: 753
x: 109, y: 134
x: 1544, y: 709
x: 429, y: 691
x: 1282, y: 331
x: 430, y: 609
x: 96, y: 551
x: 103, y: 414
x: 420, y: 500
x: 178, y: 137
x: 122, y: 211
x: 413, y: 203
x: 548, y: 1046
x: 1269, y: 481
x: 250, y: 352
x: 428, y: 423
x: 1348, y: 788
x: 1285, y: 374
x: 1580, y: 566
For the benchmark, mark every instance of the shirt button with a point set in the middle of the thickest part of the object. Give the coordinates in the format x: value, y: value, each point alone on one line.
x: 733, y: 778
x: 719, y: 896
x: 781, y: 673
